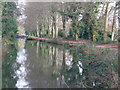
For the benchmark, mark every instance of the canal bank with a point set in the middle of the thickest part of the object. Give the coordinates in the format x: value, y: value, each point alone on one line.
x: 71, y: 43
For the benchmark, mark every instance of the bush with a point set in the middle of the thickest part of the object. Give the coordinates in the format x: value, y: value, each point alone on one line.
x: 60, y: 33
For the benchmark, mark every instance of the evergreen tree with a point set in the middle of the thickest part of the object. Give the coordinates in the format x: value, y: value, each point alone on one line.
x: 9, y: 24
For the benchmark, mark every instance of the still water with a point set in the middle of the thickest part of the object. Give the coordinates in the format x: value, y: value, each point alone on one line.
x: 34, y: 64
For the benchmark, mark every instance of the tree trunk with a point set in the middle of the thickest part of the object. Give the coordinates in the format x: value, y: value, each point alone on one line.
x: 57, y: 20
x: 64, y: 22
x: 38, y: 34
x: 106, y: 22
x: 50, y: 27
x: 63, y: 19
x: 113, y: 31
x: 113, y: 34
x: 53, y: 30
x: 54, y: 26
x: 76, y: 37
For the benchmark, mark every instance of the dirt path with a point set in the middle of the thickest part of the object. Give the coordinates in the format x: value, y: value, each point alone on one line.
x: 72, y: 42
x: 107, y: 45
x: 97, y: 45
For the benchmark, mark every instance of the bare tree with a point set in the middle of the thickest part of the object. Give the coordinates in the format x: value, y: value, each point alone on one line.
x: 106, y: 22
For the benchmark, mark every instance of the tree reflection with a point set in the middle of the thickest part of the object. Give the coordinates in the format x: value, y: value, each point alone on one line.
x: 45, y: 65
x: 87, y: 70
x: 8, y: 60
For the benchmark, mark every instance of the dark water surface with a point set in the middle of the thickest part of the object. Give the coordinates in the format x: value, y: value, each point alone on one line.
x: 35, y: 64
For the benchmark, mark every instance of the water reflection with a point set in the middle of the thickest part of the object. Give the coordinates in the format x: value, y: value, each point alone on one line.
x: 68, y: 59
x: 45, y: 63
x: 42, y: 65
x: 21, y: 72
x: 80, y: 67
x: 51, y: 66
x: 9, y: 54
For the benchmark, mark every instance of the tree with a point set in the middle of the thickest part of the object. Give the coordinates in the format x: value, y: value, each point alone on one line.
x: 106, y: 22
x: 9, y: 24
x: 118, y: 7
x: 55, y: 18
x: 63, y: 12
x: 73, y: 12
x: 84, y: 19
x: 113, y: 23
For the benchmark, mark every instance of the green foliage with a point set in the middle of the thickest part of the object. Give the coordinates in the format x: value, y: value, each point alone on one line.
x: 84, y: 27
x: 100, y: 36
x: 60, y: 33
x: 83, y: 30
x: 71, y: 33
x: 9, y: 24
x: 31, y: 33
x: 95, y: 35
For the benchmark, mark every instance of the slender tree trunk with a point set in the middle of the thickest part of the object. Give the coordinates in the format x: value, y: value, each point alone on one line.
x: 76, y: 37
x: 113, y: 31
x: 38, y: 34
x: 48, y: 27
x: 64, y: 23
x: 75, y: 28
x: 63, y: 20
x: 113, y: 34
x: 53, y: 29
x: 57, y: 20
x: 54, y: 26
x: 106, y: 22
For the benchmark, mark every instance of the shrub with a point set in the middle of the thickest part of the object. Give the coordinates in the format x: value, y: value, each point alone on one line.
x: 60, y: 33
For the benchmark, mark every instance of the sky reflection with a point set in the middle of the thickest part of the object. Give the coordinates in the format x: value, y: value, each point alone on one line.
x: 21, y: 72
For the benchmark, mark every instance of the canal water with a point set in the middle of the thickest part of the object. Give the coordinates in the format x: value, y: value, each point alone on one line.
x: 34, y: 64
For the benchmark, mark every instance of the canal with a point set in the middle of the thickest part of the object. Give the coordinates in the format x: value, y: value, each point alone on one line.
x: 34, y: 64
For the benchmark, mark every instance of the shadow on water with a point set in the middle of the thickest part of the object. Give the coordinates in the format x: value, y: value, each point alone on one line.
x: 40, y: 65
